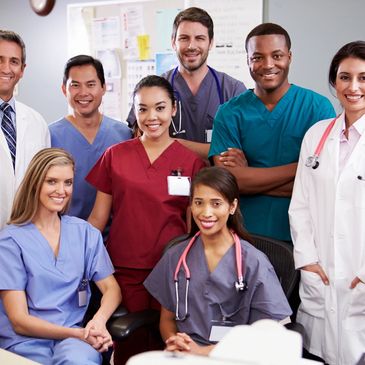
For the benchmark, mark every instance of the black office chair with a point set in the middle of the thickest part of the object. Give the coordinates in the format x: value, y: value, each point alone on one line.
x: 280, y: 254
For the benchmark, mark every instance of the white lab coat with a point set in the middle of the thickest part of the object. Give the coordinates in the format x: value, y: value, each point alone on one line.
x: 32, y: 135
x: 327, y: 218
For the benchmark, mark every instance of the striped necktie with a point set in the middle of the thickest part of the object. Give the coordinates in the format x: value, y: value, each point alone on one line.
x: 9, y: 130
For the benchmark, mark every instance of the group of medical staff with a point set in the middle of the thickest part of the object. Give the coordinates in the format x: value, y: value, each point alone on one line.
x: 216, y: 278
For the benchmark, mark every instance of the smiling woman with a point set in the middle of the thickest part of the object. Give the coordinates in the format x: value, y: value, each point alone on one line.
x: 135, y: 180
x: 47, y: 260
x: 239, y: 284
x: 326, y: 218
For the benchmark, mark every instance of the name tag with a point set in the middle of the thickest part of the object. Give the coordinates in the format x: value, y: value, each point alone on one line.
x: 219, y: 329
x: 82, y: 293
x: 178, y: 185
x: 208, y: 135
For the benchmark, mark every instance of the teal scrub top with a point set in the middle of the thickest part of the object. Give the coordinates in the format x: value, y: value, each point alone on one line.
x: 268, y: 139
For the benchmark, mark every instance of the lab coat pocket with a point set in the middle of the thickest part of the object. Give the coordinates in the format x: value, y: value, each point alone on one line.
x: 311, y: 292
x: 355, y: 318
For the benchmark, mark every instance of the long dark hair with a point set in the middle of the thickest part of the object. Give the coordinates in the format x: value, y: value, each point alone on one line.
x: 225, y: 183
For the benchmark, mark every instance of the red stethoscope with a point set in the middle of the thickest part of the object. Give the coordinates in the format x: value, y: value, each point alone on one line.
x: 312, y: 161
x: 240, y: 285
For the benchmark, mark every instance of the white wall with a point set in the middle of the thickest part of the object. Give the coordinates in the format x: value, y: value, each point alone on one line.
x: 317, y: 28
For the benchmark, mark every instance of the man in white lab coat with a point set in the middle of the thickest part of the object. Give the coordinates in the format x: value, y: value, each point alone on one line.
x: 31, y: 132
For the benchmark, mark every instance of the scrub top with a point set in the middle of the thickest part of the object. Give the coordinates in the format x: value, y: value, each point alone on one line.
x: 268, y: 139
x: 198, y: 111
x: 51, y: 283
x: 212, y: 296
x: 145, y: 216
x: 65, y: 135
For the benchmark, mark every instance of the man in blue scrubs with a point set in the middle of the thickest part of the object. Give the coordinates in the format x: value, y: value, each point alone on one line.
x: 257, y: 135
x: 199, y: 88
x: 85, y: 133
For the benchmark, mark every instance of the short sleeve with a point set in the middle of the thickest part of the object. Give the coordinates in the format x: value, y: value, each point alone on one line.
x: 160, y: 282
x: 98, y: 265
x: 325, y: 110
x: 13, y: 275
x: 269, y: 300
x: 225, y: 133
x: 100, y: 175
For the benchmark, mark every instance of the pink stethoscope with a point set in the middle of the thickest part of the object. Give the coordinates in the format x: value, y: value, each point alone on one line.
x: 312, y: 161
x: 240, y: 285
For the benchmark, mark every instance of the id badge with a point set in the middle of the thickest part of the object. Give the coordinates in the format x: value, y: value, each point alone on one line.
x: 82, y: 293
x: 219, y: 329
x: 208, y: 135
x: 178, y: 185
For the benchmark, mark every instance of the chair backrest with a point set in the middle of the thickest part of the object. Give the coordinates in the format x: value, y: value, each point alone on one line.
x: 280, y: 254
x: 175, y: 241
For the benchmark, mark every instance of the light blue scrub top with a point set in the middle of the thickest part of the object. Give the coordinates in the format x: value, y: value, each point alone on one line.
x: 51, y: 284
x: 65, y: 135
x: 212, y: 295
x: 268, y: 139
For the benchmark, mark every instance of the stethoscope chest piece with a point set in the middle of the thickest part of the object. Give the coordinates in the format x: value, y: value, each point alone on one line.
x: 312, y: 161
x: 240, y: 286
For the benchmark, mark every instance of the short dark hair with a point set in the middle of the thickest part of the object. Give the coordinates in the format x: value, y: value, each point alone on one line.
x: 268, y: 29
x: 193, y: 14
x: 223, y: 181
x: 82, y: 60
x: 158, y: 81
x: 354, y: 49
x: 9, y: 36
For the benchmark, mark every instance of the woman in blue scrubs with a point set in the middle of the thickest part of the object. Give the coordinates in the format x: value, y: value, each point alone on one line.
x: 231, y: 282
x: 47, y: 261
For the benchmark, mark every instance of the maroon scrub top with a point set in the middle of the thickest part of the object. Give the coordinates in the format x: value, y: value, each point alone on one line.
x: 145, y: 216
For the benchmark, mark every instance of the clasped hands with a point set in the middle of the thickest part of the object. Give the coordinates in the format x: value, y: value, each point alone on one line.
x: 96, y: 335
x: 317, y: 269
x: 182, y: 342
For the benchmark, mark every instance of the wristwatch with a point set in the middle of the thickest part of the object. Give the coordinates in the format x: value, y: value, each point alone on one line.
x: 42, y: 7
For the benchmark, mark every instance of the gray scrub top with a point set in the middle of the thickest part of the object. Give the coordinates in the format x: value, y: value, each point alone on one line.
x: 212, y: 296
x: 198, y: 111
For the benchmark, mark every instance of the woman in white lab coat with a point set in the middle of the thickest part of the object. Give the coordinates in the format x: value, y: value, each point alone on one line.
x: 327, y: 218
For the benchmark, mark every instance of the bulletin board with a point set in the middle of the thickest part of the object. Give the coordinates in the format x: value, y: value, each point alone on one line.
x: 132, y: 38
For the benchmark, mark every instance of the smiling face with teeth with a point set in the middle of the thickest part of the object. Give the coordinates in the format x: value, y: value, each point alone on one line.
x: 210, y: 211
x: 192, y: 46
x: 350, y: 87
x: 268, y: 58
x: 11, y: 68
x: 154, y: 110
x: 56, y: 189
x: 84, y: 91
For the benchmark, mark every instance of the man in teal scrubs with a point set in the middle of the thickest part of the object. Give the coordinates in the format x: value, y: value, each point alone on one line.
x: 257, y: 135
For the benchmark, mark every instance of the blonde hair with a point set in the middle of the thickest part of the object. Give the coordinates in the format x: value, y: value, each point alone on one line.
x: 26, y: 200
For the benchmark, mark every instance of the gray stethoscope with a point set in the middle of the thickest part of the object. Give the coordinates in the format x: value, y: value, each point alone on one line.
x: 240, y: 285
x: 312, y: 161
x: 179, y: 130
